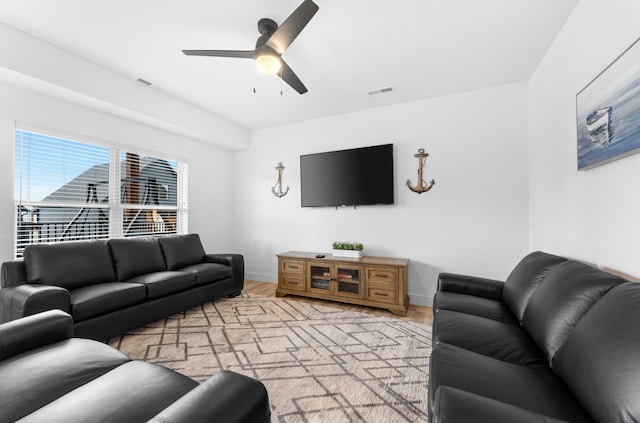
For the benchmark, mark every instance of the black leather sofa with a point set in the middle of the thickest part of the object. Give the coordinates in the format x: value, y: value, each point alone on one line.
x: 558, y: 341
x: 48, y: 376
x: 112, y: 286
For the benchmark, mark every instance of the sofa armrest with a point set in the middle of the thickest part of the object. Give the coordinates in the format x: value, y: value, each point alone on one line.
x: 456, y: 406
x: 470, y: 285
x: 25, y: 300
x: 225, y: 397
x: 34, y: 331
x: 13, y: 273
x: 236, y: 261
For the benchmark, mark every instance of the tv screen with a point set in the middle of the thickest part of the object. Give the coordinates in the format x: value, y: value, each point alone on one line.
x: 355, y: 177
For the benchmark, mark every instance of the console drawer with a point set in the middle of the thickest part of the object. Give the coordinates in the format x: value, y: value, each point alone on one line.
x: 293, y: 267
x: 382, y: 275
x: 293, y: 282
x: 381, y: 294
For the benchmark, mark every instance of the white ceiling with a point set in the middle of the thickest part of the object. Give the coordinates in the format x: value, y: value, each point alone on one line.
x: 423, y: 48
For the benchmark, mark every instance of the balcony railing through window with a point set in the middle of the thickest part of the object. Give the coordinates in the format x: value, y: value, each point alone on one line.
x: 68, y: 190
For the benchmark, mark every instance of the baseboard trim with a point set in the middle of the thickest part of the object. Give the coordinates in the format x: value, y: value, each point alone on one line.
x: 421, y: 300
x: 261, y: 277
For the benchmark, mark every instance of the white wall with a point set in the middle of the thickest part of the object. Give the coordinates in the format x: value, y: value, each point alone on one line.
x: 475, y: 219
x: 210, y: 197
x: 589, y: 215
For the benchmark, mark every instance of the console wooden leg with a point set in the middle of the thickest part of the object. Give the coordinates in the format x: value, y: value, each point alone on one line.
x: 401, y: 313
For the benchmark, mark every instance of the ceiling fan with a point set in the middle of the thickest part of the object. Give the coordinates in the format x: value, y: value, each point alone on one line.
x: 272, y: 44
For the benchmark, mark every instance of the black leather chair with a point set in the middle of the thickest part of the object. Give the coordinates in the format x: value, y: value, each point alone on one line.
x: 557, y: 341
x: 48, y: 376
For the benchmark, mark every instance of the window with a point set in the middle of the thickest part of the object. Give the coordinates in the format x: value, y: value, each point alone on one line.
x: 69, y: 190
x: 148, y: 194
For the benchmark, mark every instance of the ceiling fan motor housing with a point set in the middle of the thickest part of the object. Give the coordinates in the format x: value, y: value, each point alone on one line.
x: 267, y: 64
x: 266, y: 27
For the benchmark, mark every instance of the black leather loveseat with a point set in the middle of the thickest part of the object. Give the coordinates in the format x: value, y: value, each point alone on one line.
x: 112, y: 286
x: 48, y: 376
x: 558, y: 341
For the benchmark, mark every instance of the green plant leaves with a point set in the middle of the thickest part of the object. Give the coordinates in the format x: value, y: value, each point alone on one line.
x: 356, y: 246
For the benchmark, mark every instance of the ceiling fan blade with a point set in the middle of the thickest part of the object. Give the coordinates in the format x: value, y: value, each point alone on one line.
x: 292, y: 26
x: 288, y: 76
x: 221, y: 53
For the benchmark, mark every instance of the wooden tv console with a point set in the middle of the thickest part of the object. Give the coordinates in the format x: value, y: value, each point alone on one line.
x: 369, y: 281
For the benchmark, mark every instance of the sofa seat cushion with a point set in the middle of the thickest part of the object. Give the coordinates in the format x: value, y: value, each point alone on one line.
x: 35, y: 378
x: 182, y: 250
x: 95, y: 300
x: 534, y: 390
x: 207, y: 273
x: 160, y: 284
x: 70, y: 265
x: 133, y: 392
x: 488, y: 337
x: 456, y: 406
x: 477, y: 306
x: 136, y: 256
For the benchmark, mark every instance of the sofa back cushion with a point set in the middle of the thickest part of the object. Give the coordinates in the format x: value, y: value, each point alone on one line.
x: 182, y: 250
x: 70, y: 265
x: 136, y: 256
x: 565, y: 295
x: 525, y: 279
x: 600, y: 360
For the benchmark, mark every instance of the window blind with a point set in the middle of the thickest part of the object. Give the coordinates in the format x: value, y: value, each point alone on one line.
x: 69, y: 190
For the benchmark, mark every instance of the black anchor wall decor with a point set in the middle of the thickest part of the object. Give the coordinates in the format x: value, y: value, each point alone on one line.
x: 422, y: 185
x: 279, y: 193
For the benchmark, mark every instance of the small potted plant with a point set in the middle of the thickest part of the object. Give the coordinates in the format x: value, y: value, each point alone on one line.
x: 347, y: 249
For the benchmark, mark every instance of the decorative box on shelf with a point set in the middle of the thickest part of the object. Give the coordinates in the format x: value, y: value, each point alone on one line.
x: 347, y: 253
x: 347, y: 249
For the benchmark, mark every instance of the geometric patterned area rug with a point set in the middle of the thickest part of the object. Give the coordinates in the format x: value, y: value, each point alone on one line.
x: 319, y: 364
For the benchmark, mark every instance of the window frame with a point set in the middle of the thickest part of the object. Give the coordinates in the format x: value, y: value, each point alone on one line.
x: 115, y: 208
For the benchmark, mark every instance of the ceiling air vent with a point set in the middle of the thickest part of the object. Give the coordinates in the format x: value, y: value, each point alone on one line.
x: 381, y: 90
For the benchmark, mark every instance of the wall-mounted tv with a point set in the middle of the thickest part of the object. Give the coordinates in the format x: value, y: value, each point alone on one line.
x: 355, y: 177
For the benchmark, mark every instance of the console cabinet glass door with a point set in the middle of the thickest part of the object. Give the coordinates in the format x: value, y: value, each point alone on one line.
x: 348, y: 281
x: 340, y: 280
x: 320, y: 278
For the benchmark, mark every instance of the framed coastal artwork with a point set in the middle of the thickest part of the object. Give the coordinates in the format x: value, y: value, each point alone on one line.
x: 608, y: 112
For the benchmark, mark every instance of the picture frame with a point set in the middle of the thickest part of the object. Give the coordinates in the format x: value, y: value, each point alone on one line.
x: 608, y: 112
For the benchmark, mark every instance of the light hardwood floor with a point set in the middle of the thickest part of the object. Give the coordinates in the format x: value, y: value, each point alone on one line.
x: 416, y: 313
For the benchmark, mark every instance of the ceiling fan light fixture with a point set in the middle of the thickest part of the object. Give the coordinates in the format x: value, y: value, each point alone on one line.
x: 268, y: 63
x: 271, y: 45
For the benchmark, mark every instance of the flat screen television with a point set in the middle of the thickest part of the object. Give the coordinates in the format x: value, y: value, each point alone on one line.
x: 355, y: 177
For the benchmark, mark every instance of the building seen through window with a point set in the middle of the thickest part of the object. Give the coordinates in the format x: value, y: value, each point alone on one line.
x: 68, y: 190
